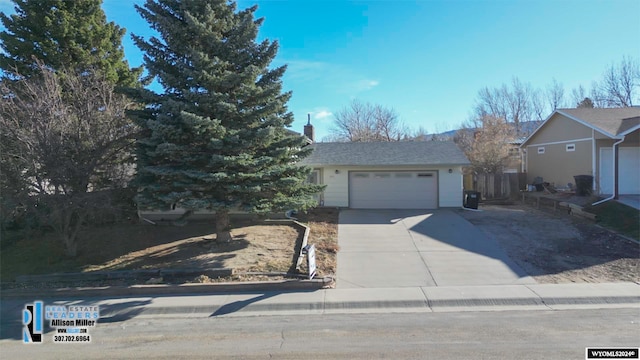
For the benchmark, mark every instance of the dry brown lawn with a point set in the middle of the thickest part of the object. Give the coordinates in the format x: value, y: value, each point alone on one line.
x: 257, y: 247
x: 323, y: 224
x: 555, y: 247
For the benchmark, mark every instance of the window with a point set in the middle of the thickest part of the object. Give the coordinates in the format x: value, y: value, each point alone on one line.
x: 361, y: 175
x: 541, y: 150
x: 381, y: 175
x: 425, y: 175
x: 314, y: 177
x: 571, y: 147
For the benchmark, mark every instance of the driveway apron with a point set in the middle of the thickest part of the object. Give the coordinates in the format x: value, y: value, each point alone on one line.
x: 410, y: 248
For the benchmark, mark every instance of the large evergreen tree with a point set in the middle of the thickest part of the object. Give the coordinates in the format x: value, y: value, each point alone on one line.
x: 71, y: 38
x: 69, y: 34
x: 216, y: 139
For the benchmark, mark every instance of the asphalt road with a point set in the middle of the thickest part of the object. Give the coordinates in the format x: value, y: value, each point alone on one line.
x: 469, y: 335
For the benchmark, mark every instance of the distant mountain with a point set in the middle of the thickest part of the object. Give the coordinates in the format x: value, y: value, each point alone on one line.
x: 526, y: 129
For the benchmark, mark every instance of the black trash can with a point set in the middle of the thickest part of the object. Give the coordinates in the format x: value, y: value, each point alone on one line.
x: 471, y: 199
x: 583, y: 184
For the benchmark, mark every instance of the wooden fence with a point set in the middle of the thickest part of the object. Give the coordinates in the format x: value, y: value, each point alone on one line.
x: 496, y: 186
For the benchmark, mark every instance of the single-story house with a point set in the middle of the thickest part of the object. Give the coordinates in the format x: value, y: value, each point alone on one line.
x: 388, y: 175
x: 603, y: 143
x: 374, y: 175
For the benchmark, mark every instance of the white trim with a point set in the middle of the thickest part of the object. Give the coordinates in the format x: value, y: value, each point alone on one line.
x: 560, y: 142
x: 623, y: 134
x: 600, y: 173
x: 615, y: 173
x: 593, y: 158
x: 576, y: 120
x: 587, y: 124
x: 538, y: 129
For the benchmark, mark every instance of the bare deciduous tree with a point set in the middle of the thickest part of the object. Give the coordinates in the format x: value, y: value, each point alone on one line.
x: 578, y: 95
x: 538, y: 107
x: 513, y: 103
x: 485, y: 143
x: 620, y: 83
x: 63, y: 134
x: 360, y: 122
x: 555, y: 95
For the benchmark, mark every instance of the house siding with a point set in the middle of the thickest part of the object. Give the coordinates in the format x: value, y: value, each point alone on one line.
x: 557, y: 165
x: 336, y: 193
x: 633, y: 139
x: 450, y: 187
x: 560, y: 128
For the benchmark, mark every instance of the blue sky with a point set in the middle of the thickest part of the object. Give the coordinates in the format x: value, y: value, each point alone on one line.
x: 426, y: 59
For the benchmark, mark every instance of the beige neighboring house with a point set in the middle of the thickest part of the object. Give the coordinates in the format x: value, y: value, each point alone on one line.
x: 603, y: 143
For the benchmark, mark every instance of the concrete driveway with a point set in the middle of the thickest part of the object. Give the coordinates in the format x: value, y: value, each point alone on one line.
x: 411, y: 248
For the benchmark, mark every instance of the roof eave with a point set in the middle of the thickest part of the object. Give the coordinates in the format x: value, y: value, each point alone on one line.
x: 628, y: 131
x: 603, y: 132
x: 569, y: 116
x: 524, y: 143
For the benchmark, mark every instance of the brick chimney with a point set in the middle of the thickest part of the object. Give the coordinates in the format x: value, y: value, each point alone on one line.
x: 308, y: 129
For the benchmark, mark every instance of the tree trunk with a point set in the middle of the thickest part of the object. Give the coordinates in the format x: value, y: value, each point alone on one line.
x: 70, y: 231
x: 71, y: 246
x: 223, y: 228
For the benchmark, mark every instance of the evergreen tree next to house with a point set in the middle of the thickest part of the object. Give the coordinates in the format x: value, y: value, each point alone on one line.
x: 64, y: 34
x: 216, y: 138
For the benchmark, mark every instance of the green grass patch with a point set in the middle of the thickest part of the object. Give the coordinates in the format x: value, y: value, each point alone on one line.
x: 618, y: 217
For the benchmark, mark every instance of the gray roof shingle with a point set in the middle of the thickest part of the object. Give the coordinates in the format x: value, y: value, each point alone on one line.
x: 386, y: 153
x: 613, y: 121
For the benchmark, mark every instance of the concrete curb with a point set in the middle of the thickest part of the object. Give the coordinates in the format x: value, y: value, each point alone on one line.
x: 181, y: 289
x: 395, y: 300
x: 410, y: 305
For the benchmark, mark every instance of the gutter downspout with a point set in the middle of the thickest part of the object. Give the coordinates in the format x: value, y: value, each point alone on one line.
x: 594, y: 149
x: 615, y: 175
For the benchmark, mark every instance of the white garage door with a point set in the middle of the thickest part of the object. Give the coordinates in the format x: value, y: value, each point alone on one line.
x: 628, y: 171
x: 393, y: 190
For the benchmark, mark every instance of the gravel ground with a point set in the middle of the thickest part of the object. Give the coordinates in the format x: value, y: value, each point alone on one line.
x: 554, y: 247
